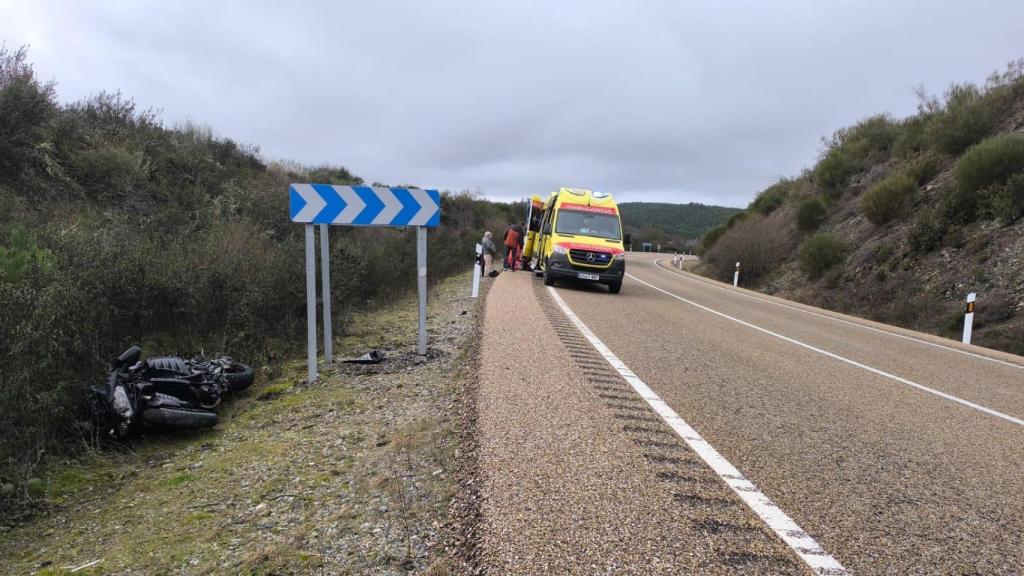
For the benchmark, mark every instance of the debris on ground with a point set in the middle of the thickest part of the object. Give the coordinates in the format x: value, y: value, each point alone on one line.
x: 371, y: 357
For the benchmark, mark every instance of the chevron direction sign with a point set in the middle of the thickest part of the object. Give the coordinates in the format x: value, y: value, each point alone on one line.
x: 364, y: 206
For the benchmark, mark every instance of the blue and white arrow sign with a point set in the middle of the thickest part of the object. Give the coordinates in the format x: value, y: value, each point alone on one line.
x: 364, y: 206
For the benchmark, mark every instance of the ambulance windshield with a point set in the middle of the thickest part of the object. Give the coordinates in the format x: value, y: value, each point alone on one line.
x: 580, y: 223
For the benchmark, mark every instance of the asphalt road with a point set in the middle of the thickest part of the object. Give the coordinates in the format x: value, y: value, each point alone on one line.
x: 896, y: 452
x: 890, y: 478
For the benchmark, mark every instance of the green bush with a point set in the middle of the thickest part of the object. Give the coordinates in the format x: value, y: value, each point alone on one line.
x: 853, y: 150
x: 923, y: 168
x: 967, y: 117
x: 821, y: 252
x: 711, y: 237
x: 21, y: 254
x: 771, y: 197
x: 991, y: 162
x: 926, y: 233
x: 1005, y: 202
x: 912, y: 135
x: 810, y: 215
x: 889, y: 199
x: 111, y: 172
x: 737, y: 218
x: 26, y: 107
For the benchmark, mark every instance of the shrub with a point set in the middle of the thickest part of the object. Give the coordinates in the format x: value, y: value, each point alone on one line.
x: 771, y: 197
x: 26, y: 106
x: 711, y: 237
x: 926, y: 233
x: 1005, y: 202
x: 110, y: 172
x: 967, y: 118
x: 737, y: 218
x: 912, y: 136
x: 22, y: 254
x: 923, y: 168
x: 990, y: 162
x: 821, y: 252
x: 852, y: 150
x: 889, y: 199
x: 810, y: 214
x: 759, y: 243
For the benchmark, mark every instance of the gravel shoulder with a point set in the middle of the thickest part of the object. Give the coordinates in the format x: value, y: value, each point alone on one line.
x: 354, y: 475
x: 579, y: 476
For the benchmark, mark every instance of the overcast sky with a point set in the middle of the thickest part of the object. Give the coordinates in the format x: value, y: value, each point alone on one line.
x: 659, y: 101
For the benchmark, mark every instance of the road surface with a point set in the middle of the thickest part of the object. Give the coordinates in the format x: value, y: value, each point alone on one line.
x: 684, y: 426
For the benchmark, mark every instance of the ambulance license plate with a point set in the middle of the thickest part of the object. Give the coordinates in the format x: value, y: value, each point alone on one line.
x: 585, y: 276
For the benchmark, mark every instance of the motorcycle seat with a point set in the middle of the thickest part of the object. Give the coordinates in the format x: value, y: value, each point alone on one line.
x: 165, y: 366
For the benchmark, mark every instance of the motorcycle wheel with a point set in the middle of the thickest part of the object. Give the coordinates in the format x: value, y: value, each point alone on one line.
x: 238, y: 376
x: 179, y: 418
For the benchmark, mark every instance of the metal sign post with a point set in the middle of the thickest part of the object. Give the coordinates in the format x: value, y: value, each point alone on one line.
x: 325, y: 291
x: 311, y: 302
x: 327, y: 205
x: 421, y: 266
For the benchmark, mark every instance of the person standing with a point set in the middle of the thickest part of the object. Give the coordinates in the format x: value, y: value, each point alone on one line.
x: 512, y: 236
x: 490, y: 251
x: 521, y: 228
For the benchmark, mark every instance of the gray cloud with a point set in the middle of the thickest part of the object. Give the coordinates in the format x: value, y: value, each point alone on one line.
x: 671, y: 101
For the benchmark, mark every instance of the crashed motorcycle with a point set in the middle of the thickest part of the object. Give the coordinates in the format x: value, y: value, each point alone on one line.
x: 166, y: 392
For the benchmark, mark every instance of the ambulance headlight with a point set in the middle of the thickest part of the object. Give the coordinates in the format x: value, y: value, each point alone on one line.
x: 560, y: 249
x: 620, y: 256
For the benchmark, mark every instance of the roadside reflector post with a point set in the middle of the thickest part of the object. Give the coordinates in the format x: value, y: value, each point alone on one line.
x: 421, y: 267
x: 736, y: 276
x: 311, y: 303
x: 969, y: 317
x: 477, y: 271
x: 325, y: 293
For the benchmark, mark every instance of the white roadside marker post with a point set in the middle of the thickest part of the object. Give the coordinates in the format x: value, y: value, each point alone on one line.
x: 736, y: 276
x: 969, y: 317
x: 476, y: 271
x: 325, y: 293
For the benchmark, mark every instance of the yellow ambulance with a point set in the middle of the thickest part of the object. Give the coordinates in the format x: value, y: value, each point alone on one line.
x: 578, y: 236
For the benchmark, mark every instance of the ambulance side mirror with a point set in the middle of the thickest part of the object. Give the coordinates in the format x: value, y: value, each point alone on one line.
x: 626, y: 239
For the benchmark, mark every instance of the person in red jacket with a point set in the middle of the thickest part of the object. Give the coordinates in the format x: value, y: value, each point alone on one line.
x: 512, y: 235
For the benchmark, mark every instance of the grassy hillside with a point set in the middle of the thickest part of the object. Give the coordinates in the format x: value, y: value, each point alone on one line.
x: 674, y: 225
x: 900, y: 218
x: 116, y: 229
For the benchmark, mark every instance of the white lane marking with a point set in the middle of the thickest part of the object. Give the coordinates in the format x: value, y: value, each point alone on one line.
x: 784, y: 527
x: 819, y: 314
x: 835, y: 356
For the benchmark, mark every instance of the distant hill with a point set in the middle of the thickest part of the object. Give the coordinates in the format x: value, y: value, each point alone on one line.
x: 677, y: 223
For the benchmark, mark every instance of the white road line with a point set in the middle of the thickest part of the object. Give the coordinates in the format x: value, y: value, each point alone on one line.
x: 826, y: 316
x: 834, y: 356
x: 784, y: 527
